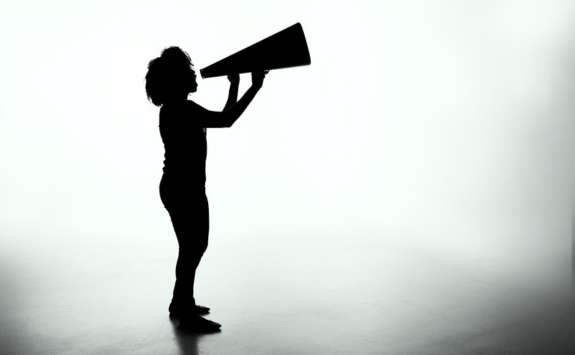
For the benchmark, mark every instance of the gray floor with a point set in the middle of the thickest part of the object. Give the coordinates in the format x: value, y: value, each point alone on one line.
x: 374, y: 296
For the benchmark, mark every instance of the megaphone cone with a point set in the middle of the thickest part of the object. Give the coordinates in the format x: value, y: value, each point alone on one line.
x: 287, y: 48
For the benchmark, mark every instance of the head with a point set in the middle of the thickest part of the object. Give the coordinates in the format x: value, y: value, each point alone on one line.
x: 170, y: 77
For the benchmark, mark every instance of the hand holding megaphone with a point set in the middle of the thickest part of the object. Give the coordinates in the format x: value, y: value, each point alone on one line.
x: 258, y: 78
x: 234, y: 79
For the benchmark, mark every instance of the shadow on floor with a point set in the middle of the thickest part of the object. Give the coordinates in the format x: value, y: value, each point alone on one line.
x: 188, y: 343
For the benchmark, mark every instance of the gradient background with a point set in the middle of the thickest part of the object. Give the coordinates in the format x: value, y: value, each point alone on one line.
x: 440, y: 128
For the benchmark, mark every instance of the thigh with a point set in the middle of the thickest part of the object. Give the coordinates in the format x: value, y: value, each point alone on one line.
x: 190, y: 218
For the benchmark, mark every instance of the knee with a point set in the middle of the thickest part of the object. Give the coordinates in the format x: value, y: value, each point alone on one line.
x: 202, y: 247
x: 194, y: 248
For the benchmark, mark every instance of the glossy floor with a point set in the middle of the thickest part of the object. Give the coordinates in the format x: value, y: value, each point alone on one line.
x: 374, y: 296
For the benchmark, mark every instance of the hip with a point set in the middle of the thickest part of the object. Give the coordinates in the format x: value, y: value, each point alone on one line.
x: 181, y: 191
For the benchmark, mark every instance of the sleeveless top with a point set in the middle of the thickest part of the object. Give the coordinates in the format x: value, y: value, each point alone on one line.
x: 185, y: 145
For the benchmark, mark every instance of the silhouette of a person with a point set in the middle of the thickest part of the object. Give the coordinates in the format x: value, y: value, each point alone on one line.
x: 169, y: 80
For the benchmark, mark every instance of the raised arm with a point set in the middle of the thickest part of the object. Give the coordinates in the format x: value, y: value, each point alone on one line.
x: 233, y: 94
x: 233, y: 110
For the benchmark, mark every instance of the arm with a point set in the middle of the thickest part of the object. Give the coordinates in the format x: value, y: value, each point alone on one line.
x: 233, y: 94
x: 226, y: 118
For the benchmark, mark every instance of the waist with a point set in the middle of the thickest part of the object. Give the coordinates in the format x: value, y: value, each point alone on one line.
x: 191, y: 181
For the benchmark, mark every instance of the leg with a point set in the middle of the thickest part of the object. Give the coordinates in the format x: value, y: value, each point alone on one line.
x: 191, y: 224
x: 192, y: 233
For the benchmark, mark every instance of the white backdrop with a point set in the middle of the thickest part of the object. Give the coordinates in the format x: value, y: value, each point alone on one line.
x: 444, y: 125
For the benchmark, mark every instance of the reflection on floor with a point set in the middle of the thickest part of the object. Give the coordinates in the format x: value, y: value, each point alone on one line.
x: 287, y: 296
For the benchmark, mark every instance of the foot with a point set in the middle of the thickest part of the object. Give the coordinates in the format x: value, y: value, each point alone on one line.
x: 195, y: 310
x: 201, y: 310
x: 198, y: 324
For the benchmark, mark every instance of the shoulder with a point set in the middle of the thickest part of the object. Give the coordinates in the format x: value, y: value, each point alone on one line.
x: 182, y: 108
x: 182, y: 114
x: 192, y: 107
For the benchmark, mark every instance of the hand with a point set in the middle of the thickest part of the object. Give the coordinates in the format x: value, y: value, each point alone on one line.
x: 234, y: 78
x: 258, y: 78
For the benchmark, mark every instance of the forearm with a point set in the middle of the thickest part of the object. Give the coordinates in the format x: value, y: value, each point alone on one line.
x: 232, y: 97
x: 239, y: 107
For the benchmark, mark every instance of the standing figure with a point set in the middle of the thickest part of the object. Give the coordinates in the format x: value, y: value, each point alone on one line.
x: 169, y: 80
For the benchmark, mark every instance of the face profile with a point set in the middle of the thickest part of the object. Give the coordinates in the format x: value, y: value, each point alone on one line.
x: 192, y: 80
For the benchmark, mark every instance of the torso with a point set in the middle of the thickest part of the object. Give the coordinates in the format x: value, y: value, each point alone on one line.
x: 184, y: 143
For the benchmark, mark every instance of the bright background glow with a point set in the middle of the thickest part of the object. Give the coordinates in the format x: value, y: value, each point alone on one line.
x: 446, y: 126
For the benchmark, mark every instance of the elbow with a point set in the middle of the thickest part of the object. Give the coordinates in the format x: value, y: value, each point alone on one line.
x: 230, y: 123
x: 229, y: 119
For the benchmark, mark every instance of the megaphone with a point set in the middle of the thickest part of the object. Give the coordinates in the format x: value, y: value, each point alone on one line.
x: 285, y: 49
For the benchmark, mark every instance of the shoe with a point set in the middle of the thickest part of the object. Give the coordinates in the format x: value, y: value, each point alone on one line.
x: 199, y: 325
x: 196, y: 310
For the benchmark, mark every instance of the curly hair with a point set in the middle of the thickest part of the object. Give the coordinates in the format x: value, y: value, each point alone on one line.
x: 166, y: 75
